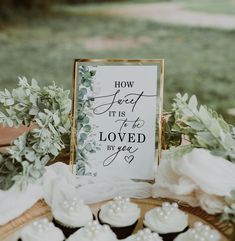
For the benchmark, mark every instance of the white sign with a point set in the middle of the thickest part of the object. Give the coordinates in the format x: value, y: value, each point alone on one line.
x: 117, y: 107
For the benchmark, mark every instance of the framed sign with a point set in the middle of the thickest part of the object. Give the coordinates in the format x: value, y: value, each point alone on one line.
x: 116, y: 117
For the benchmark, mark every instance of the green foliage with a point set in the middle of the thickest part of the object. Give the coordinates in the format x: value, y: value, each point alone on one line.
x: 210, y: 6
x: 203, y: 127
x: 47, y: 110
x: 25, y: 4
x: 229, y: 209
x: 45, y: 48
x: 84, y: 102
x: 11, y: 9
x: 113, y: 1
x: 170, y: 137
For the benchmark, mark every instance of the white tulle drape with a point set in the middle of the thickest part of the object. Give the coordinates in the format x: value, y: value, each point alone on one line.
x: 198, y: 178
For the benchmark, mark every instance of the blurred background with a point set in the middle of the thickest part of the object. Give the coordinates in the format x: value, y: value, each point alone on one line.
x: 40, y: 38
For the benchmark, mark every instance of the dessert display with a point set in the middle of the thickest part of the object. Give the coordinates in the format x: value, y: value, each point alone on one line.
x: 144, y: 235
x: 199, y: 232
x: 168, y: 221
x: 121, y: 215
x: 41, y: 230
x: 162, y: 223
x: 93, y: 231
x: 71, y: 215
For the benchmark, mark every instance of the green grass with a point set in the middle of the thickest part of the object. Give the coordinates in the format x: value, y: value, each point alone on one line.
x: 210, y: 6
x: 198, y: 61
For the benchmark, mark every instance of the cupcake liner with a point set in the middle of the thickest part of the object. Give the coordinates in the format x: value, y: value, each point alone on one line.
x: 66, y: 229
x: 121, y: 232
x: 169, y: 236
x: 22, y: 240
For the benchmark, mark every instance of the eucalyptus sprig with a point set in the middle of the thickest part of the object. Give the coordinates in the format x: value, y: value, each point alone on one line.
x: 47, y: 111
x: 203, y: 127
x: 85, y: 129
x: 229, y: 210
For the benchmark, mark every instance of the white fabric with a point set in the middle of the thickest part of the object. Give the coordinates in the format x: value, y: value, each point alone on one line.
x: 96, y: 189
x: 14, y: 201
x: 199, y: 178
x: 58, y: 182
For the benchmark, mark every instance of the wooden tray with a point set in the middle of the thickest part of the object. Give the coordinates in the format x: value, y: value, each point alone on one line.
x: 40, y: 210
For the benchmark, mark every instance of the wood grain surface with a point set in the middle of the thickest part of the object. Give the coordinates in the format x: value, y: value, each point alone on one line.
x: 8, y: 134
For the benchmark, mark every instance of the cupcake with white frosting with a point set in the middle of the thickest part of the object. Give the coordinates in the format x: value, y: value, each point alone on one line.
x: 121, y: 215
x: 70, y: 215
x: 168, y: 221
x: 42, y: 230
x: 144, y: 235
x: 93, y: 231
x: 199, y: 232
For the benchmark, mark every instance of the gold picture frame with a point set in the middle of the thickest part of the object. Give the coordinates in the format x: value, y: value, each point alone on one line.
x: 160, y: 79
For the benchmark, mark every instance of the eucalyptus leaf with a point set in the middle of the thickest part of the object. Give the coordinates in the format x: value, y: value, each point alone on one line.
x: 87, y: 128
x: 83, y: 136
x: 85, y: 120
x: 203, y: 126
x: 53, y: 150
x: 88, y: 147
x: 49, y: 109
x: 85, y: 104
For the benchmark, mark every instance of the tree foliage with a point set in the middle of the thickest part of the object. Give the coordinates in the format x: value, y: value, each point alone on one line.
x: 9, y: 8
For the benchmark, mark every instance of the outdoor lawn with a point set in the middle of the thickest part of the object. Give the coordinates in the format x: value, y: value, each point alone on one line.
x: 210, y: 6
x: 198, y: 61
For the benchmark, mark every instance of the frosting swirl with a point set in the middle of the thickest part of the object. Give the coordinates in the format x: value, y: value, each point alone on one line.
x: 73, y: 213
x: 93, y: 231
x: 42, y: 230
x: 120, y: 212
x: 166, y: 219
x: 199, y: 232
x: 144, y: 235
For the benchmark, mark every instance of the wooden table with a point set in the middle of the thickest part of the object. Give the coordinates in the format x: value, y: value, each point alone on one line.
x: 8, y: 134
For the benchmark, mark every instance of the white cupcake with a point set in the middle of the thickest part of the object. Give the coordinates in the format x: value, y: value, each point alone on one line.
x: 144, y: 235
x: 93, y: 232
x: 199, y: 232
x: 168, y: 221
x: 42, y: 230
x: 121, y: 215
x: 70, y: 215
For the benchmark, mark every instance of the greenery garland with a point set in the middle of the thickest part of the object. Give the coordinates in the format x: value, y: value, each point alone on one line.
x: 47, y: 109
x: 200, y: 126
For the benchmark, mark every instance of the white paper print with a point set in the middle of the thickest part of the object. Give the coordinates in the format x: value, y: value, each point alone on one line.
x: 116, y: 121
